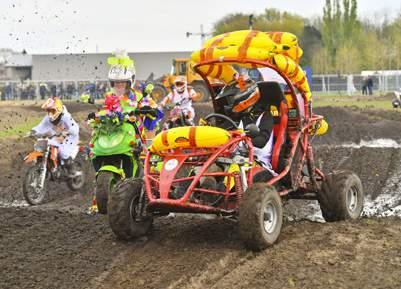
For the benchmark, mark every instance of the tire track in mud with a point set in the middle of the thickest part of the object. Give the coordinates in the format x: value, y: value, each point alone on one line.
x: 178, y: 249
x: 308, y: 255
x: 53, y: 249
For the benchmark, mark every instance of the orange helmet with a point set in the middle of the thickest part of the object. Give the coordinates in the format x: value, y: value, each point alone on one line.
x: 248, y: 94
x: 246, y: 99
x: 54, y: 108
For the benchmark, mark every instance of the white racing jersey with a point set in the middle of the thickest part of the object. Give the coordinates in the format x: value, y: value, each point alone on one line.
x: 184, y: 99
x: 67, y: 124
x: 263, y: 154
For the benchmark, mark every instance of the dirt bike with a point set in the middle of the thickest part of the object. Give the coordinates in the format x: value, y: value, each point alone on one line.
x: 178, y: 117
x: 115, y: 150
x: 47, y: 166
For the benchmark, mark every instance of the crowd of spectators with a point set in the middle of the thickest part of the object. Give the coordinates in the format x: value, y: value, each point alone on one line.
x: 29, y: 90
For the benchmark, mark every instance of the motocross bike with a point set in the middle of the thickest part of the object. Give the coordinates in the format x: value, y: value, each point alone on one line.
x: 115, y: 149
x: 178, y: 117
x: 47, y: 166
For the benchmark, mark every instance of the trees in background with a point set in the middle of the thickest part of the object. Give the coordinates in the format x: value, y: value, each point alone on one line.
x: 337, y: 42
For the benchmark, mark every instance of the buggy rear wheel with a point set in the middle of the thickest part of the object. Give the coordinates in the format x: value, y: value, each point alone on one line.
x: 260, y: 217
x: 124, y: 210
x: 341, y: 196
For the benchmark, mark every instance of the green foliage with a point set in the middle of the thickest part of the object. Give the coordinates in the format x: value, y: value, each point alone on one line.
x: 270, y: 20
x: 337, y: 42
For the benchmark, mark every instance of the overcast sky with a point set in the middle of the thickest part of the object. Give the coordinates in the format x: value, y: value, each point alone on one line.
x: 65, y: 26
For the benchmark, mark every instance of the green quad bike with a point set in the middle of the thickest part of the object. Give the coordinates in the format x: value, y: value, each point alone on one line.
x: 115, y: 150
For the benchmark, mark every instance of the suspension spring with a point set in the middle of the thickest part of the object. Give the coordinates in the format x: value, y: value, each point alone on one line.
x: 238, y: 187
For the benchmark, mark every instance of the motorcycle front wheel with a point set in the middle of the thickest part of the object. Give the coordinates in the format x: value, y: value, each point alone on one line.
x: 31, y: 190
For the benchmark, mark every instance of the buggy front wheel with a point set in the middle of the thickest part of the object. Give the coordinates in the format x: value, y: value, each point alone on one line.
x: 124, y: 209
x: 260, y: 217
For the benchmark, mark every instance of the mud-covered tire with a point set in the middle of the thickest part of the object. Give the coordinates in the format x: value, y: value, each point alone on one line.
x: 202, y: 90
x: 260, y: 217
x: 341, y: 196
x: 121, y: 207
x: 33, y: 172
x: 159, y: 92
x: 105, y: 181
x: 77, y: 182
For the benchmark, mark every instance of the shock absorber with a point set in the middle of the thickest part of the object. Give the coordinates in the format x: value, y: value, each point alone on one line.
x: 238, y: 187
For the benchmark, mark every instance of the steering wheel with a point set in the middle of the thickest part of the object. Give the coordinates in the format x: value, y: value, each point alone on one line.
x: 223, y: 119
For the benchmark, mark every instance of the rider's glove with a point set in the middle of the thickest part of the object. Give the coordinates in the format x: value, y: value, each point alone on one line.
x: 91, y: 115
x: 149, y: 88
x: 64, y: 134
x: 252, y: 130
x: 31, y: 133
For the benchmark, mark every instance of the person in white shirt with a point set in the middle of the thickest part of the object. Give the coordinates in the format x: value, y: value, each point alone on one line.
x: 58, y: 121
x: 182, y: 95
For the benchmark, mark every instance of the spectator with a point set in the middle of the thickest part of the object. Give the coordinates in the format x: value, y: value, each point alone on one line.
x: 369, y: 84
x: 364, y: 86
x: 43, y: 91
x: 53, y: 90
x: 8, y: 91
x: 70, y: 92
x: 350, y: 85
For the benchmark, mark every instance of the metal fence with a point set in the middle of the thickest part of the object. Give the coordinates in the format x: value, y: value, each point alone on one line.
x: 36, y: 90
x: 339, y: 84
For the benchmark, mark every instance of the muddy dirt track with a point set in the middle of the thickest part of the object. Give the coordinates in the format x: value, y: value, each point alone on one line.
x: 57, y: 245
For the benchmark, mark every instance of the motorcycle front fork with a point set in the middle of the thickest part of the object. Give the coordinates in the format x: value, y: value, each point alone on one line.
x: 43, y: 170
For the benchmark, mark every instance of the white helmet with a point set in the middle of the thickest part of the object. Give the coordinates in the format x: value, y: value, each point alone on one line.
x: 180, y: 83
x: 122, y: 68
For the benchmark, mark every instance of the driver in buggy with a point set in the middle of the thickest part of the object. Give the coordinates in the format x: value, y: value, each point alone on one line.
x: 242, y: 98
x: 245, y: 105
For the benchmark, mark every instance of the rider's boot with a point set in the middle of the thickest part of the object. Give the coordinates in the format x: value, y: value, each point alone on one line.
x: 69, y: 166
x: 190, y: 122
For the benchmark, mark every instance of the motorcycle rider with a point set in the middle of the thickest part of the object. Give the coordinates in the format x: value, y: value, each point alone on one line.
x: 182, y: 95
x: 122, y: 80
x: 58, y: 121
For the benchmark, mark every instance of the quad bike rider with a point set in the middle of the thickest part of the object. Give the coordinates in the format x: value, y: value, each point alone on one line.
x: 180, y: 158
x: 54, y: 153
x: 120, y: 129
x: 182, y: 113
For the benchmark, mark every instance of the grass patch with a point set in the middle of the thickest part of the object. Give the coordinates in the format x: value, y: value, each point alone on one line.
x: 344, y: 101
x: 20, y: 129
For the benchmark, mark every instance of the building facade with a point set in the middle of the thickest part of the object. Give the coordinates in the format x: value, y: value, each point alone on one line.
x: 93, y: 66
